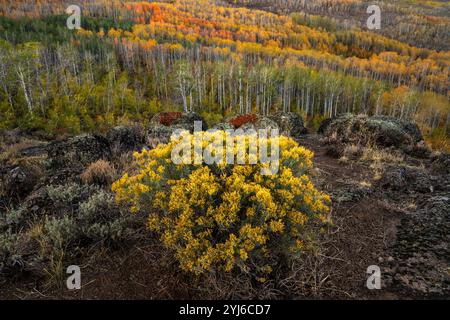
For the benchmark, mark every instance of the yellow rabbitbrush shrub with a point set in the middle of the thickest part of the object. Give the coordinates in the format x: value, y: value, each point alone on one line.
x: 221, y: 217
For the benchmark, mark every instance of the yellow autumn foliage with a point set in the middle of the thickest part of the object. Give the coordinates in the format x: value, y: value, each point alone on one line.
x: 226, y: 217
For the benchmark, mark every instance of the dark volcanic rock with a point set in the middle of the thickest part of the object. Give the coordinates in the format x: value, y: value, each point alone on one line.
x: 441, y: 164
x: 164, y: 124
x: 419, y: 150
x: 78, y: 151
x: 350, y: 192
x: 186, y: 121
x: 3, y: 202
x: 158, y: 134
x: 395, y: 124
x: 262, y: 122
x: 223, y: 126
x: 178, y: 120
x: 289, y: 123
x: 381, y: 131
x: 324, y: 125
x: 402, y: 178
x: 19, y: 181
x: 37, y: 201
x: 34, y: 151
x: 421, y: 254
x: 126, y: 138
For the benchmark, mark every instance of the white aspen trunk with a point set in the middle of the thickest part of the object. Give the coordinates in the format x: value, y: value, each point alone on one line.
x: 24, y: 88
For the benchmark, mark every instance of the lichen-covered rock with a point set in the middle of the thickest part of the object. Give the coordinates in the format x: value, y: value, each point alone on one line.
x: 421, y: 254
x: 157, y: 134
x: 389, y: 131
x: 19, y: 181
x: 381, y: 131
x: 289, y: 123
x: 223, y: 126
x: 126, y: 138
x: 34, y: 151
x: 409, y: 179
x: 350, y: 192
x: 262, y: 123
x: 178, y: 120
x: 186, y: 121
x: 3, y: 201
x: 78, y: 151
x: 324, y: 125
x: 266, y: 123
x: 419, y: 150
x: 336, y: 124
x: 37, y: 201
x: 395, y: 178
x: 247, y: 127
x: 441, y: 163
x: 407, y: 127
x: 164, y: 124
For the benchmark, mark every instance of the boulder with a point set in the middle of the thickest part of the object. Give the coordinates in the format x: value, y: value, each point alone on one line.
x: 19, y: 181
x: 337, y: 123
x: 261, y: 123
x: 441, y: 163
x: 289, y: 123
x: 223, y: 126
x: 178, y: 120
x: 406, y: 127
x: 409, y: 179
x: 126, y: 138
x: 266, y: 123
x: 78, y: 151
x: 419, y: 150
x: 186, y: 121
x: 381, y: 131
x: 158, y: 134
x: 37, y: 201
x: 421, y: 251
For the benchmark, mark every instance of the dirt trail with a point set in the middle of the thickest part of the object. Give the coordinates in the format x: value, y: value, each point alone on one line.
x: 400, y: 223
x: 366, y: 226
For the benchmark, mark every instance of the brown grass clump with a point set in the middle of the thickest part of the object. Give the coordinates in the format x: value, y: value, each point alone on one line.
x: 378, y: 155
x: 378, y: 158
x: 100, y: 172
x: 9, y: 154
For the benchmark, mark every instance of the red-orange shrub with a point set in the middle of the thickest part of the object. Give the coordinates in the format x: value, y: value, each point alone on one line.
x: 243, y: 119
x: 167, y: 118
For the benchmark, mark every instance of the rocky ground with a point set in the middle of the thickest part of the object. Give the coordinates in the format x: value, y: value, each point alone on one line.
x: 391, y: 208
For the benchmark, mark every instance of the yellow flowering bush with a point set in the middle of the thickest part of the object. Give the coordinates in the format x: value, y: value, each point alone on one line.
x: 221, y: 217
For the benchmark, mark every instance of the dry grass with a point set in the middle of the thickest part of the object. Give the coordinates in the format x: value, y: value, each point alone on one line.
x: 100, y: 172
x: 352, y: 151
x: 378, y: 158
x: 373, y: 154
x: 10, y: 153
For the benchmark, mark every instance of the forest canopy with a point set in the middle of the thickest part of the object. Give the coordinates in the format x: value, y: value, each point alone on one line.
x: 133, y: 59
